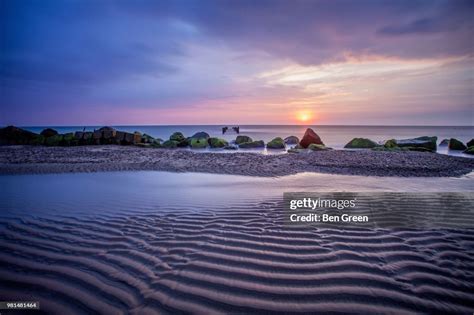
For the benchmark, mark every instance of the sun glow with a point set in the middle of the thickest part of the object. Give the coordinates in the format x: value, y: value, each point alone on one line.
x: 304, y: 116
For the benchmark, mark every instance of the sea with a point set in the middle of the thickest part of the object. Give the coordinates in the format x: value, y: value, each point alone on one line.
x: 333, y: 136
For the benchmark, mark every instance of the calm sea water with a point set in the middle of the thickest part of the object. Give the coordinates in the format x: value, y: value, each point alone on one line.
x: 333, y: 136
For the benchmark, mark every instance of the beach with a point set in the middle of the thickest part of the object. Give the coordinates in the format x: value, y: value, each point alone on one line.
x: 167, y: 243
x: 38, y: 159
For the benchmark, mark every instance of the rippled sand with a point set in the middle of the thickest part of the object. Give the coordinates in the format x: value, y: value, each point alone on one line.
x: 150, y: 242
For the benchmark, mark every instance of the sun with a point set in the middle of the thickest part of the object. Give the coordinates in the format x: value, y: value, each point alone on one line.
x: 304, y: 116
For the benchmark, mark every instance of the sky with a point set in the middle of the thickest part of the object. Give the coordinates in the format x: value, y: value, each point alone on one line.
x: 334, y: 62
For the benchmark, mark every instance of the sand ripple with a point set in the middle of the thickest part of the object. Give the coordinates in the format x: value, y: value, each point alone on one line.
x: 238, y: 259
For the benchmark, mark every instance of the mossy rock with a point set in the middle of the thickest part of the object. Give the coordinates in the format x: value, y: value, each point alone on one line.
x: 293, y: 150
x: 48, y: 132
x: 53, y: 140
x: 361, y: 143
x: 252, y: 145
x: 469, y: 150
x: 391, y: 149
x: 470, y: 143
x: 200, y: 134
x: 198, y: 143
x: 178, y: 137
x: 12, y: 135
x: 156, y: 145
x: 318, y: 147
x: 146, y: 138
x: 243, y: 139
x: 423, y: 142
x: 277, y: 143
x: 170, y: 144
x: 38, y: 140
x: 217, y: 143
x: 390, y: 144
x: 455, y: 144
x: 67, y: 140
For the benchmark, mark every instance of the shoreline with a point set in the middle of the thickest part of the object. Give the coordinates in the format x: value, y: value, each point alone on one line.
x: 15, y: 160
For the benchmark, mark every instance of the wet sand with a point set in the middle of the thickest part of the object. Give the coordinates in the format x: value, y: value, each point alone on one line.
x: 42, y: 160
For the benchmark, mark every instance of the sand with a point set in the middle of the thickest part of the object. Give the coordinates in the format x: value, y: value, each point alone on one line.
x: 39, y: 160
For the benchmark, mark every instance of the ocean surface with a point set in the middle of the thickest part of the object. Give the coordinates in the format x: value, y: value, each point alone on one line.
x: 172, y: 243
x: 332, y: 136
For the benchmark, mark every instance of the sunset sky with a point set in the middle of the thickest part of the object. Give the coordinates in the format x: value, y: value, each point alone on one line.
x: 240, y: 62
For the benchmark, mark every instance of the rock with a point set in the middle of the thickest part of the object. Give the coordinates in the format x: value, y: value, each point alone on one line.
x: 293, y: 150
x: 53, y: 140
x: 12, y: 135
x: 424, y: 142
x: 390, y: 144
x: 276, y: 143
x: 217, y: 143
x: 310, y: 137
x: 201, y: 134
x: 253, y: 144
x: 231, y: 147
x: 147, y: 138
x: 178, y: 137
x: 291, y: 140
x: 444, y: 142
x: 469, y: 150
x: 128, y: 138
x: 170, y: 144
x: 299, y: 147
x: 119, y: 137
x: 318, y: 147
x: 361, y: 143
x: 389, y: 149
x: 38, y: 140
x: 78, y: 135
x: 470, y: 143
x: 455, y: 144
x: 198, y: 143
x: 48, y: 132
x: 137, y: 137
x: 243, y: 139
x: 108, y: 133
x: 67, y: 140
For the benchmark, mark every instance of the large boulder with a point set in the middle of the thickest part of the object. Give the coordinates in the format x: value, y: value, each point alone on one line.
x: 137, y: 137
x: 469, y: 150
x: 178, y: 137
x: 252, y: 145
x: 310, y: 137
x: 455, y: 144
x: 108, y: 132
x: 146, y: 138
x: 243, y: 139
x: 128, y: 138
x: 12, y: 135
x: 424, y: 142
x: 170, y: 144
x: 48, y: 132
x: 217, y: 143
x: 276, y: 143
x: 470, y: 143
x: 361, y: 143
x: 198, y: 143
x: 200, y: 134
x: 231, y: 147
x: 390, y: 144
x: 292, y: 140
